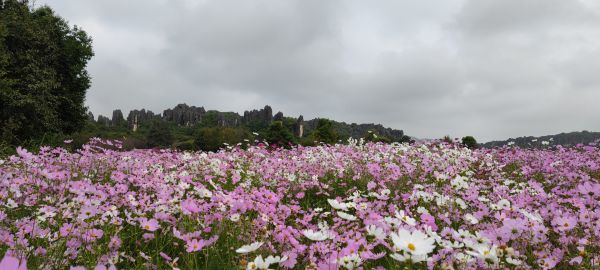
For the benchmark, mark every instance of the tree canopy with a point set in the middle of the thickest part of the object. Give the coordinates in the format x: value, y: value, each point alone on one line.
x: 470, y: 142
x: 43, y: 80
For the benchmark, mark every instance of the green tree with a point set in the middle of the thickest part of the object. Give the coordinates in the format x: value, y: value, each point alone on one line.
x: 470, y: 142
x: 214, y: 138
x: 43, y: 80
x: 278, y: 134
x: 325, y: 132
x: 159, y: 135
x: 371, y: 136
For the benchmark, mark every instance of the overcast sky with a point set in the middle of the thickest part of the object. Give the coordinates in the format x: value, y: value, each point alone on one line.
x: 491, y: 69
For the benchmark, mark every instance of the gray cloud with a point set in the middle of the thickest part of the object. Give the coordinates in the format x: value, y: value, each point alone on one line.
x: 492, y: 69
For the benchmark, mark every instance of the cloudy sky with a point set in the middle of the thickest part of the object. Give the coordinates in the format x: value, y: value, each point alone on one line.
x: 489, y: 68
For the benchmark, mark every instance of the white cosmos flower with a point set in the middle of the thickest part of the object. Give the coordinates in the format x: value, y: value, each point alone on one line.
x: 503, y: 204
x: 249, y: 248
x: 323, y: 225
x: 350, y: 262
x: 463, y: 258
x: 346, y: 216
x: 422, y: 210
x: 512, y: 261
x: 337, y: 205
x: 408, y: 220
x: 404, y: 257
x: 204, y: 192
x: 459, y: 183
x: 534, y: 217
x: 471, y: 219
x: 235, y: 217
x: 260, y: 263
x: 484, y: 252
x: 399, y: 257
x: 416, y: 243
x: 376, y: 231
x: 461, y: 203
x: 316, y: 235
x: 11, y: 204
x: 392, y: 221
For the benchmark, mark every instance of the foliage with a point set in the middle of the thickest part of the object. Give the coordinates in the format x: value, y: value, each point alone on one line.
x: 373, y: 137
x: 324, y: 132
x: 43, y: 80
x: 564, y: 139
x: 277, y: 134
x: 159, y: 135
x: 214, y: 138
x: 470, y: 142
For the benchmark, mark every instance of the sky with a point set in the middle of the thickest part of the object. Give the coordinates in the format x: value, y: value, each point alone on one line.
x: 492, y: 69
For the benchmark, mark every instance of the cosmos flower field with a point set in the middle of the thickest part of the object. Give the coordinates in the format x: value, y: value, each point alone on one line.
x: 354, y: 206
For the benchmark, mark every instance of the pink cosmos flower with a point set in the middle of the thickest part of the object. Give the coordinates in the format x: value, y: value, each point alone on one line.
x: 590, y: 189
x: 429, y: 220
x: 93, y: 235
x: 195, y: 245
x: 564, y: 223
x: 149, y: 224
x: 9, y: 262
x: 87, y: 212
x: 189, y: 206
x: 66, y: 229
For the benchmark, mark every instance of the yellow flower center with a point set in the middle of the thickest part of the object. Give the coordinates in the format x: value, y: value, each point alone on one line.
x: 195, y: 246
x: 486, y: 252
x: 147, y: 227
x: 411, y: 246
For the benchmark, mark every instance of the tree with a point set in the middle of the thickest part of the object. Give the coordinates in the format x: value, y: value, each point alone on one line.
x: 470, y: 142
x: 43, y: 80
x: 214, y: 138
x: 325, y: 132
x: 371, y: 136
x: 159, y: 135
x: 278, y: 134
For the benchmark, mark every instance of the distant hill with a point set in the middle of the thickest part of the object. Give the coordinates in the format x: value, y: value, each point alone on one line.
x: 564, y: 139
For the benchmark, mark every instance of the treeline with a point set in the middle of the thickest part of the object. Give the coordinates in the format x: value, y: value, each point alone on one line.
x: 564, y: 139
x: 209, y: 136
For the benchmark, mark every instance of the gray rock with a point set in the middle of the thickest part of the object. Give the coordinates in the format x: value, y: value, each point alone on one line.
x: 278, y: 117
x: 261, y: 117
x: 138, y: 117
x: 105, y: 121
x: 299, y: 127
x: 117, y: 118
x: 184, y: 115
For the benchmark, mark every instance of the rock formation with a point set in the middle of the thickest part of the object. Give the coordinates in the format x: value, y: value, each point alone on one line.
x: 184, y: 115
x: 103, y: 120
x: 137, y: 117
x: 262, y: 116
x: 299, y: 127
x: 278, y: 117
x: 254, y: 120
x: 117, y: 118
